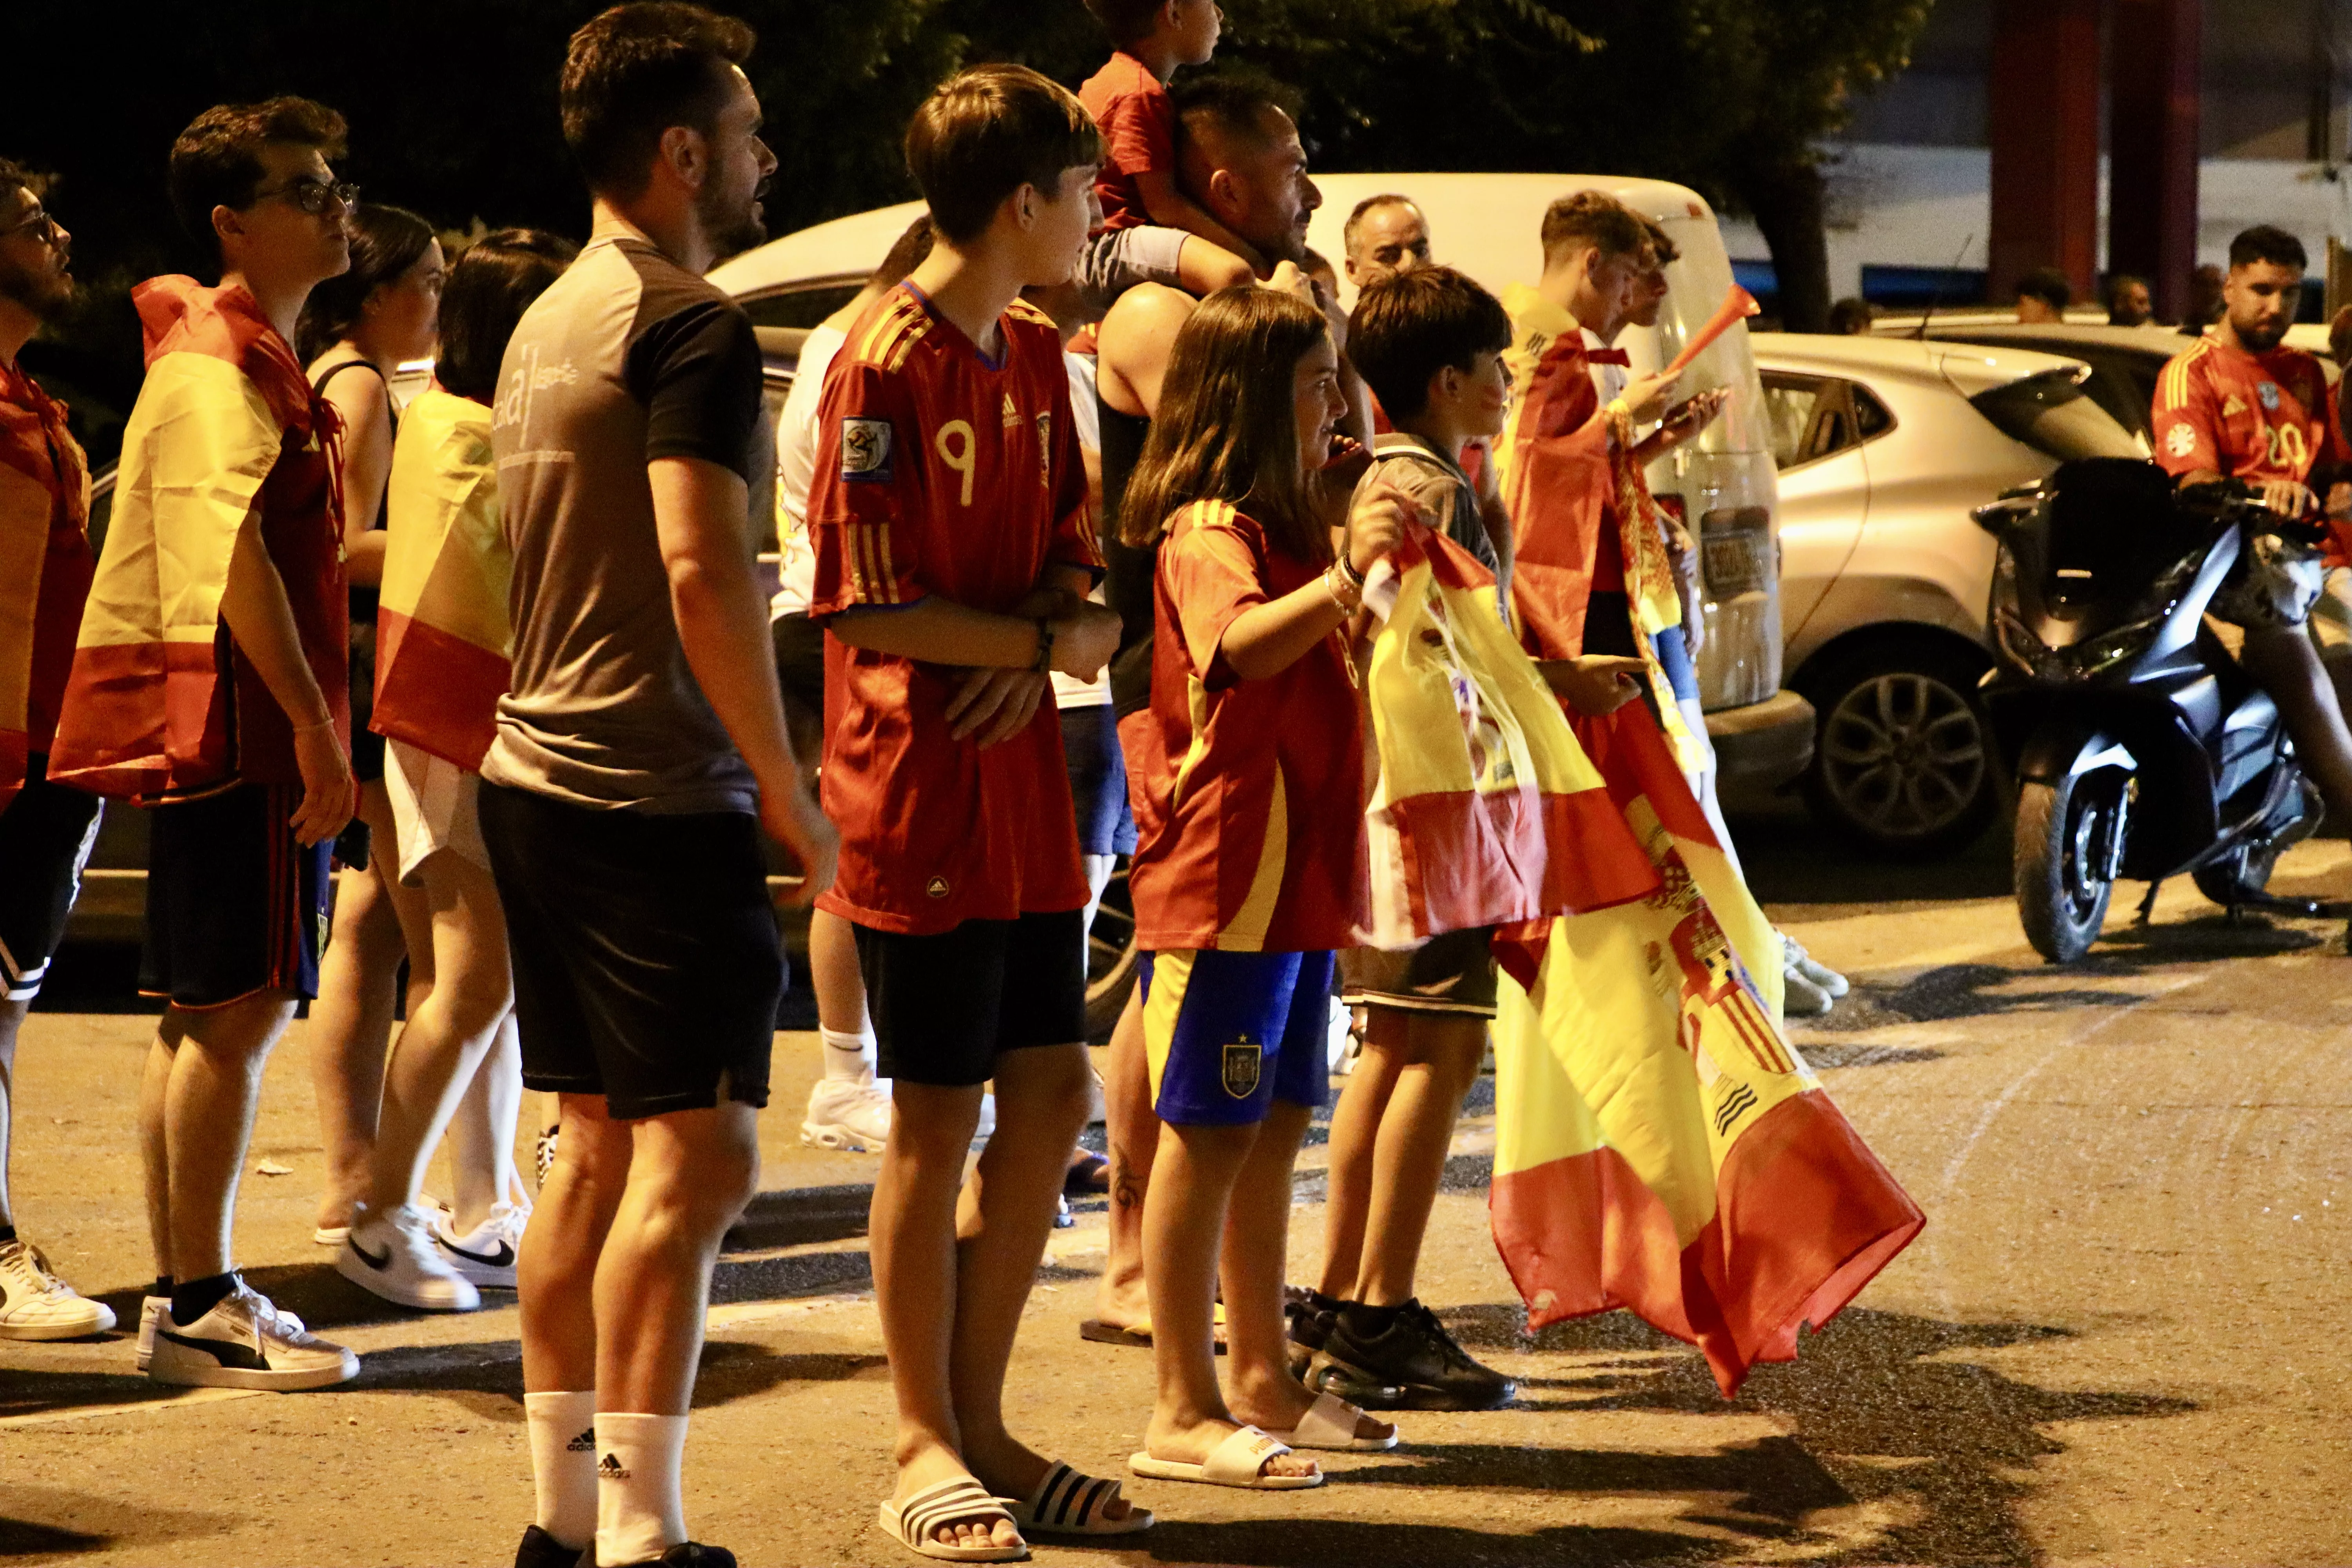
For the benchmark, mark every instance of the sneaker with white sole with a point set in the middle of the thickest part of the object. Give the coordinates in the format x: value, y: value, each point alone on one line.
x: 151, y: 1309
x: 393, y: 1255
x: 1801, y: 998
x: 485, y: 1255
x: 849, y: 1115
x: 1821, y: 974
x: 34, y: 1304
x: 245, y: 1342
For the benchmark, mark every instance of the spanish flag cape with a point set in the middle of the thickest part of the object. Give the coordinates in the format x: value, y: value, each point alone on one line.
x: 162, y: 703
x: 1659, y: 1144
x: 1484, y: 810
x: 44, y: 567
x: 441, y: 628
x: 1568, y: 471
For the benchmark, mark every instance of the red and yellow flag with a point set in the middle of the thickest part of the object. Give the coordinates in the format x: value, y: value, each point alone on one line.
x: 1486, y: 811
x: 443, y: 633
x: 1660, y: 1145
x: 161, y: 701
x: 44, y: 567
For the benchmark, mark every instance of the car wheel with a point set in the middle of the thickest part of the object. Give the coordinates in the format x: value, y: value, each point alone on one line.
x: 1111, y: 957
x: 1902, y: 755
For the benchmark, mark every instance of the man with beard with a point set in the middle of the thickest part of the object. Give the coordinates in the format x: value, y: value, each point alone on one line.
x: 640, y: 754
x: 2241, y: 405
x: 45, y: 829
x: 1238, y: 155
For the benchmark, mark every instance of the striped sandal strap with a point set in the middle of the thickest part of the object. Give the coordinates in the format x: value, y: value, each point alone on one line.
x: 959, y: 1499
x: 1070, y: 1500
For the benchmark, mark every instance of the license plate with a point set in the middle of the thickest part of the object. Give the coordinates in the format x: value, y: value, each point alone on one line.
x: 1735, y: 563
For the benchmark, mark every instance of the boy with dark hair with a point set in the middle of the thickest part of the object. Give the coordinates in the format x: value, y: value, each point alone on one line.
x: 1151, y: 231
x: 209, y: 682
x: 1430, y: 341
x: 2043, y: 296
x: 45, y: 829
x: 640, y: 754
x: 953, y: 555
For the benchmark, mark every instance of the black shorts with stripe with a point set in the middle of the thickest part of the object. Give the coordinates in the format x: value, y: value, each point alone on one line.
x: 235, y: 906
x: 45, y: 834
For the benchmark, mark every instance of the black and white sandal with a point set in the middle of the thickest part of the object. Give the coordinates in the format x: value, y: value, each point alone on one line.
x: 911, y: 1523
x: 1067, y: 1502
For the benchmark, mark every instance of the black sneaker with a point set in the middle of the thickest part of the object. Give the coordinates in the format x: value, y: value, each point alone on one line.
x: 540, y: 1549
x: 1402, y: 1359
x: 1307, y: 1324
x: 689, y: 1554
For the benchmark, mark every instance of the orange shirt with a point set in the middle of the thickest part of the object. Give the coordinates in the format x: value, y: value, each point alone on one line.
x: 2248, y: 416
x: 1138, y: 121
x: 1249, y: 795
x: 938, y: 472
x: 45, y: 561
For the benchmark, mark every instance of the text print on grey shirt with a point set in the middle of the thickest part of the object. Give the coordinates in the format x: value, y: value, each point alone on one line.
x: 629, y: 358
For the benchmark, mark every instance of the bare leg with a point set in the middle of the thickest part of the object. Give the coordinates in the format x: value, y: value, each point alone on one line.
x: 913, y: 1242
x: 208, y: 1108
x: 1415, y: 1135
x: 2284, y: 662
x: 482, y: 1134
x: 1132, y: 1127
x: 12, y: 1019
x: 449, y: 1034
x: 1355, y: 1142
x: 1193, y: 1178
x: 690, y: 1174
x: 834, y: 974
x: 154, y: 1157
x: 556, y: 1271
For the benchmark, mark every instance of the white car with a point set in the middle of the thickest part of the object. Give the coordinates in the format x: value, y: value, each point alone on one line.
x: 1883, y: 444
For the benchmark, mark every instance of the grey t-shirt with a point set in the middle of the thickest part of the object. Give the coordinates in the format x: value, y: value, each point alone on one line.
x: 1437, y: 481
x: 627, y: 358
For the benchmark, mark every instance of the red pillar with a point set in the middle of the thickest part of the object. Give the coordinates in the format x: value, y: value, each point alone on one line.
x: 2045, y: 123
x: 2152, y: 145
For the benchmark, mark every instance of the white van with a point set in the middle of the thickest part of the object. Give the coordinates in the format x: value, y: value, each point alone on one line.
x: 1488, y: 226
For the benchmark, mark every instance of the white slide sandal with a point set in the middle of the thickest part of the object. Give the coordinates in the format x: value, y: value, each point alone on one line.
x: 912, y: 1522
x: 1067, y: 1502
x: 1238, y: 1461
x: 1330, y: 1423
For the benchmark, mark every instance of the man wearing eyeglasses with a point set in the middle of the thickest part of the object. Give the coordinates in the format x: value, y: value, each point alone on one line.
x: 209, y: 682
x: 45, y: 829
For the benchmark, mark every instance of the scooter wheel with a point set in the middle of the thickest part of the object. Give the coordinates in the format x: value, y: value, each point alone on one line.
x: 2059, y: 863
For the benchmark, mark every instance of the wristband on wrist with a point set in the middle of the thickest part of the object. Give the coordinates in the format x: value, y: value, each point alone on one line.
x: 326, y: 723
x: 1044, y: 660
x: 1346, y: 596
x: 1348, y: 568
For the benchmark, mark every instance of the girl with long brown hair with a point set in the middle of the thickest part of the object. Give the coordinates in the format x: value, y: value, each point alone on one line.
x: 1250, y: 818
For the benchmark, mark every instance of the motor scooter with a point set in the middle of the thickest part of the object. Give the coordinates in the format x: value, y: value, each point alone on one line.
x: 2139, y: 746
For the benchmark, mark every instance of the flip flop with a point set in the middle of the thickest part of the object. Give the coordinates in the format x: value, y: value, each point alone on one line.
x: 1329, y: 1425
x: 912, y: 1522
x: 1238, y: 1461
x: 1068, y: 1503
x: 1096, y: 1332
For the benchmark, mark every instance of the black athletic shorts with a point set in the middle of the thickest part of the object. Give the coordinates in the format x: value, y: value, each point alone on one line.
x: 235, y: 906
x: 45, y: 832
x: 1450, y: 973
x: 946, y: 1006
x: 648, y: 966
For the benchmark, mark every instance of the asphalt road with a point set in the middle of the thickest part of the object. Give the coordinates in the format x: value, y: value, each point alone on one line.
x: 2123, y: 1337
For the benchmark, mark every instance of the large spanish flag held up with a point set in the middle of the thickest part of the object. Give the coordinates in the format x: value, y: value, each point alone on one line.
x: 1660, y: 1145
x: 443, y: 637
x: 162, y: 703
x: 1486, y: 810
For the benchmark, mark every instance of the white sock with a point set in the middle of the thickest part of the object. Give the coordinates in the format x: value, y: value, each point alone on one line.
x: 640, y: 1511
x: 563, y: 1463
x: 848, y: 1058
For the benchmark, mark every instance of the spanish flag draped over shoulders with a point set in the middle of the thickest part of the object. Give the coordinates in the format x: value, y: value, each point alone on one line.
x: 1484, y: 809
x: 1571, y: 482
x: 161, y: 703
x: 443, y: 636
x: 44, y: 567
x: 1660, y: 1145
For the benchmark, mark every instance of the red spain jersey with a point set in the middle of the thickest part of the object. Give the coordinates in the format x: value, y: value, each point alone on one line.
x: 1248, y: 794
x: 2248, y: 416
x: 46, y: 563
x: 939, y: 472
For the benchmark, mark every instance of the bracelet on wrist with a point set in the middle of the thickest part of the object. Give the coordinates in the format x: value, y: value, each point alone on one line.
x: 326, y: 723
x: 1347, y: 569
x: 1346, y: 596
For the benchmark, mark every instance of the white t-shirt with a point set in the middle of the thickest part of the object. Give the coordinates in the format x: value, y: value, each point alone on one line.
x: 795, y: 465
x: 1085, y: 418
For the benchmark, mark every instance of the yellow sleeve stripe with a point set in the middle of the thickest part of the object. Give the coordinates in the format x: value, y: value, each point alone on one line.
x: 903, y: 315
x: 2172, y: 386
x: 871, y: 576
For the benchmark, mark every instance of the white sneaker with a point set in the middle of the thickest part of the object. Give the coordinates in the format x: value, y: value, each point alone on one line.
x: 245, y: 1342
x: 1801, y: 998
x: 34, y: 1304
x: 332, y: 1234
x: 1821, y: 974
x: 485, y: 1255
x: 393, y: 1255
x: 851, y: 1115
